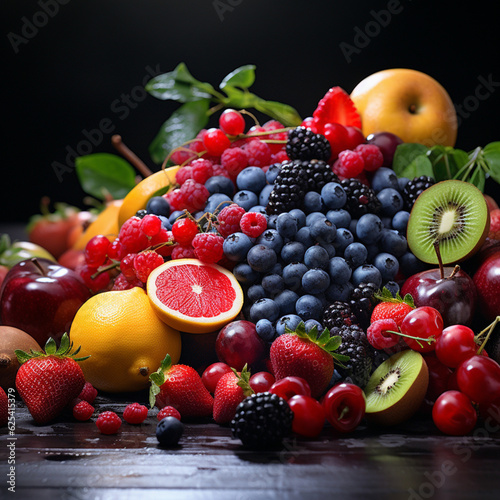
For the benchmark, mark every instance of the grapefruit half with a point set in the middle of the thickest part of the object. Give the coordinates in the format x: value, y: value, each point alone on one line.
x: 194, y: 297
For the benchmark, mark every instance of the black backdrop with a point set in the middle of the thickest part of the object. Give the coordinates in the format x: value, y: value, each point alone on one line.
x: 67, y: 62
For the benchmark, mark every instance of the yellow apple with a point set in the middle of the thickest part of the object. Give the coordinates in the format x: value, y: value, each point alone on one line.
x: 407, y: 103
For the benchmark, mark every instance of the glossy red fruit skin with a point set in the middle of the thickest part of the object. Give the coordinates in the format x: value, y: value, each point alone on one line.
x: 454, y: 414
x: 288, y: 387
x: 261, y: 381
x: 491, y: 413
x: 454, y: 297
x: 387, y: 142
x: 344, y: 406
x: 423, y: 322
x: 479, y: 378
x: 212, y: 374
x: 487, y: 281
x: 439, y: 376
x: 308, y: 416
x: 455, y: 345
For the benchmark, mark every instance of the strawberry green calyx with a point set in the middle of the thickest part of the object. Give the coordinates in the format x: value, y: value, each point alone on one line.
x: 386, y: 296
x: 157, y: 379
x: 244, y: 380
x: 51, y: 349
x: 325, y: 341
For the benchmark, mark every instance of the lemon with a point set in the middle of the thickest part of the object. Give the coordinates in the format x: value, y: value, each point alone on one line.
x: 125, y: 339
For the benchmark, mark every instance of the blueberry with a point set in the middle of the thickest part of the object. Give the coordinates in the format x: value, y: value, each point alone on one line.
x: 273, y: 284
x: 289, y: 320
x: 158, y: 205
x: 330, y: 248
x: 367, y: 273
x: 292, y: 251
x: 286, y: 301
x: 386, y: 221
x: 393, y: 287
x: 271, y: 221
x: 384, y: 178
x: 264, y: 309
x: 312, y: 202
x: 369, y: 228
x: 271, y: 239
x: 216, y: 202
x: 251, y: 179
x: 355, y: 254
x: 246, y: 199
x: 387, y: 264
x: 165, y: 222
x: 313, y: 216
x: 315, y: 281
x: 393, y: 242
x: 304, y: 236
x: 316, y: 257
x: 333, y: 195
x: 400, y: 221
x: 245, y: 274
x: 286, y: 225
x: 323, y: 231
x: 402, y: 182
x: 258, y: 209
x: 299, y: 215
x: 337, y: 291
x: 265, y: 330
x: 343, y: 239
x: 391, y: 201
x: 272, y: 172
x: 264, y: 194
x: 236, y: 246
x: 311, y: 323
x: 255, y: 292
x: 174, y: 215
x: 339, y: 270
x: 168, y: 431
x: 220, y: 184
x: 277, y: 269
x: 309, y: 307
x: 292, y: 274
x: 261, y: 258
x: 340, y: 218
x: 410, y: 265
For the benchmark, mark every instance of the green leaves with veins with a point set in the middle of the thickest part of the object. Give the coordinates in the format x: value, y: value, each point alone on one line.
x: 444, y: 162
x: 197, y: 98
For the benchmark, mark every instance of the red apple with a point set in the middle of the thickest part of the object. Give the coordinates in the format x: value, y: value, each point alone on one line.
x: 487, y: 281
x: 453, y: 295
x: 41, y: 298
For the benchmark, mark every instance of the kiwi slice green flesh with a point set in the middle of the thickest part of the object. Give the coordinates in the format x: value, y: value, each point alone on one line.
x: 396, y: 388
x: 452, y: 214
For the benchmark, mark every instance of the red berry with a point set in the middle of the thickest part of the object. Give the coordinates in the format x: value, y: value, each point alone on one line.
x: 215, y: 141
x: 145, y: 262
x: 135, y: 413
x: 150, y: 225
x: 229, y: 219
x: 89, y: 393
x: 380, y: 335
x: 336, y: 107
x: 278, y: 136
x: 99, y: 282
x: 344, y: 406
x: 454, y: 414
x: 258, y: 152
x: 234, y: 160
x: 115, y: 250
x: 232, y: 122
x: 455, y: 345
x: 163, y: 236
x: 83, y: 410
x: 194, y: 195
x: 479, y: 378
x: 181, y: 156
x: 372, y: 156
x: 202, y: 170
x: 349, y: 164
x: 175, y: 199
x: 439, y: 376
x: 96, y: 250
x: 212, y: 375
x: 337, y: 136
x: 108, y: 422
x: 132, y: 238
x: 290, y: 386
x: 355, y: 137
x: 424, y: 323
x: 208, y: 247
x: 127, y: 266
x: 183, y: 174
x: 182, y: 252
x: 168, y: 411
x: 308, y: 416
x: 261, y: 381
x: 122, y: 283
x: 184, y: 230
x: 253, y: 224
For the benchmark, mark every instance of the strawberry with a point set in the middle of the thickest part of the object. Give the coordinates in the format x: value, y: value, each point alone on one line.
x: 4, y: 408
x: 395, y: 308
x: 303, y: 354
x: 335, y: 107
x: 48, y: 381
x: 180, y: 386
x: 231, y: 389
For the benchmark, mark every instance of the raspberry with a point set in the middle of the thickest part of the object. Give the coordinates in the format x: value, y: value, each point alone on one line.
x: 208, y: 247
x: 232, y: 122
x: 132, y: 238
x: 150, y: 225
x: 175, y: 199
x: 108, y: 422
x: 258, y: 152
x: 229, y: 219
x: 202, y: 170
x: 234, y: 160
x: 123, y: 283
x: 127, y: 266
x: 83, y: 410
x: 163, y: 236
x: 215, y: 141
x: 279, y: 157
x: 180, y: 252
x: 379, y: 336
x: 279, y: 136
x: 181, y: 156
x: 184, y: 230
x: 145, y: 262
x: 89, y: 393
x: 349, y: 164
x: 168, y: 411
x: 135, y: 413
x: 221, y: 170
x: 253, y: 224
x: 183, y: 174
x: 372, y: 156
x: 96, y: 250
x: 197, y: 145
x: 194, y: 195
x: 337, y: 136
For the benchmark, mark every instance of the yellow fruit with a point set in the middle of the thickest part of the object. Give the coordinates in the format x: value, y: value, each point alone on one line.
x: 194, y: 297
x: 137, y: 198
x: 407, y: 103
x: 106, y: 224
x: 125, y: 339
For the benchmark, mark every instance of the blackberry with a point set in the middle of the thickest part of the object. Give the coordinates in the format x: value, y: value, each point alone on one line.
x: 414, y: 188
x: 356, y: 346
x: 262, y: 420
x: 360, y: 198
x: 318, y: 174
x: 362, y: 302
x: 289, y: 188
x: 304, y: 144
x: 338, y: 314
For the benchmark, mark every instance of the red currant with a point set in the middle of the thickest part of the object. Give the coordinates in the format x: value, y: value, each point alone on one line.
x: 115, y: 250
x: 454, y: 414
x: 291, y: 386
x: 308, y: 415
x: 100, y: 282
x: 426, y: 324
x: 150, y: 225
x: 232, y: 122
x: 212, y: 375
x: 215, y: 141
x: 344, y: 406
x: 184, y: 230
x: 127, y: 266
x: 455, y: 345
x: 479, y: 378
x: 261, y: 381
x: 96, y: 250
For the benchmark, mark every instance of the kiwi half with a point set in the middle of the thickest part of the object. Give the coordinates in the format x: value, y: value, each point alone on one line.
x: 452, y: 215
x: 396, y: 388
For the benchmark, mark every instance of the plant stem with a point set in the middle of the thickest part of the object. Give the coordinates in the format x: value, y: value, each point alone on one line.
x: 490, y: 327
x: 129, y: 155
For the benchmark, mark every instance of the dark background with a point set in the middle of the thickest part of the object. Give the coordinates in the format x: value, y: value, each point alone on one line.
x: 67, y: 74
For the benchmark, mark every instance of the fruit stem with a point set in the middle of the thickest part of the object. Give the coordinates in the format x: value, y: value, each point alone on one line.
x: 343, y: 413
x: 429, y: 340
x: 440, y: 260
x: 490, y: 327
x: 129, y: 155
x: 114, y: 264
x: 455, y: 271
x: 37, y: 264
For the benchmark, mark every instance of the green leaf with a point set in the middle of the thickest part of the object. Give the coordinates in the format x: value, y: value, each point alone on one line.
x: 64, y: 346
x: 242, y: 77
x: 50, y: 346
x: 405, y: 154
x: 22, y: 356
x: 239, y: 99
x: 334, y: 343
x: 4, y: 242
x: 478, y: 178
x: 102, y: 173
x: 284, y: 113
x: 446, y: 161
x: 182, y: 126
x: 491, y: 153
x: 421, y: 165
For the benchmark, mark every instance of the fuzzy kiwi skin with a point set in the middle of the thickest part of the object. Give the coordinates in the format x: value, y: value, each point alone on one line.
x: 405, y: 407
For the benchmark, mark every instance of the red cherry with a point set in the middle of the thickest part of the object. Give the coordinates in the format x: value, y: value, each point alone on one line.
x: 216, y: 141
x: 291, y: 386
x: 454, y: 414
x: 424, y: 323
x: 344, y: 405
x: 212, y: 374
x: 455, y: 345
x: 308, y: 415
x: 261, y: 381
x: 479, y: 378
